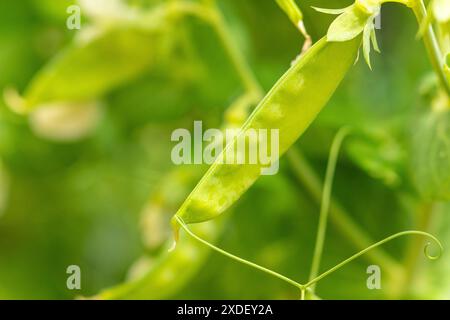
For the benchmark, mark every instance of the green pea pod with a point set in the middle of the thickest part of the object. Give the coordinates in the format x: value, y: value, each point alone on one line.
x: 290, y: 106
x: 431, y: 155
x: 88, y: 69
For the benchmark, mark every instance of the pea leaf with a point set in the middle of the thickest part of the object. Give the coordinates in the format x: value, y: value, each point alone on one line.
x: 330, y: 11
x: 348, y: 25
x: 88, y: 69
x: 366, y: 43
x: 373, y: 38
x: 431, y: 156
x: 380, y: 155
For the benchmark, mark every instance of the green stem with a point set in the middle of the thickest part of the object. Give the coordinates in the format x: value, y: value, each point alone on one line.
x: 239, y: 62
x: 326, y: 196
x: 209, y: 13
x: 296, y: 16
x: 412, y: 232
x: 431, y: 45
x: 341, y: 219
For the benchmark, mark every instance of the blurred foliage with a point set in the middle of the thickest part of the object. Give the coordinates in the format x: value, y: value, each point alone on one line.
x: 85, y: 200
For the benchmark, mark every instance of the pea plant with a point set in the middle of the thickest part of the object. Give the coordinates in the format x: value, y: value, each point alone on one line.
x: 201, y: 200
x: 291, y: 105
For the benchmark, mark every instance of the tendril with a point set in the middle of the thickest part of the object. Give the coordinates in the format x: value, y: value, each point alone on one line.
x: 236, y: 258
x: 429, y: 256
x: 326, y: 197
x: 392, y: 237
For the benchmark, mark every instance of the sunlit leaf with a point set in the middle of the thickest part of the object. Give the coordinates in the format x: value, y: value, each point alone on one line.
x: 348, y: 25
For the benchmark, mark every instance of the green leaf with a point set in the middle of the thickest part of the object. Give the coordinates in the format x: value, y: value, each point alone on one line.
x: 431, y: 155
x: 373, y: 38
x: 331, y: 11
x: 367, y: 43
x: 378, y: 153
x: 89, y: 69
x: 348, y: 25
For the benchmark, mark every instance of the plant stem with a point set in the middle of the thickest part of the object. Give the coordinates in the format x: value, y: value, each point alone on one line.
x: 431, y: 45
x: 309, y: 179
x: 239, y: 62
x: 326, y: 196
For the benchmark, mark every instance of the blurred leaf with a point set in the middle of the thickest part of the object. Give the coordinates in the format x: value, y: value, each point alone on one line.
x: 378, y: 153
x: 430, y: 158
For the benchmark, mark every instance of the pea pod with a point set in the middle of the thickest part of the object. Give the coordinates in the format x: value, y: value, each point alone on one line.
x: 290, y: 106
x: 167, y: 272
x: 77, y: 75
